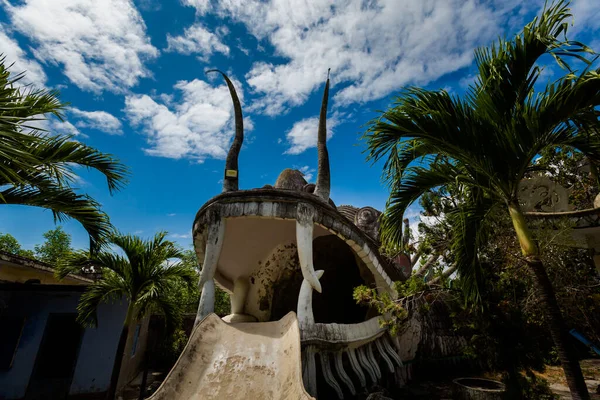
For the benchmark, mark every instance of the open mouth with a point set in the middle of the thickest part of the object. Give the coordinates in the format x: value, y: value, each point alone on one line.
x: 276, y: 251
x: 287, y: 248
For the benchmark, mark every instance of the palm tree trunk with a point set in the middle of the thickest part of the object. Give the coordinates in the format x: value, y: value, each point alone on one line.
x: 432, y: 259
x: 147, y: 353
x: 556, y: 323
x: 144, y: 377
x: 444, y: 275
x: 114, y: 378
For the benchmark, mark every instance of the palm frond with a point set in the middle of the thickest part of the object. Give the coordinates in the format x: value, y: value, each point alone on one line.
x: 470, y: 231
x: 64, y: 203
x: 73, y: 264
x: 141, y: 276
x: 164, y: 305
x: 508, y: 70
x: 566, y: 109
x: 58, y: 154
x: 38, y: 166
x: 416, y: 182
x: 110, y: 288
x: 176, y: 271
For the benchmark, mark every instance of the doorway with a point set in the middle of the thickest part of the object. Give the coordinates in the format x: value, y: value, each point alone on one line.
x: 57, y: 355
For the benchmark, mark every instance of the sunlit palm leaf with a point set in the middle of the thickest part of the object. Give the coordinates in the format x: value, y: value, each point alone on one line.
x: 37, y: 167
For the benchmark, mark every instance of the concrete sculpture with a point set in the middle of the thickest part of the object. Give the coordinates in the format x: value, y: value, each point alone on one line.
x: 283, y: 251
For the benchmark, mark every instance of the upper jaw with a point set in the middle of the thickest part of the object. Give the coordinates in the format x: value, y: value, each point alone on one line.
x: 292, y: 216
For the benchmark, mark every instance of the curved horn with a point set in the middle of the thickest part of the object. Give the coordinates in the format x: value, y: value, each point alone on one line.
x: 323, y: 187
x: 230, y: 180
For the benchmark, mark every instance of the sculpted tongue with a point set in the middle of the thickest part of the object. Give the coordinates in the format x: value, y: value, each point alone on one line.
x: 304, y: 239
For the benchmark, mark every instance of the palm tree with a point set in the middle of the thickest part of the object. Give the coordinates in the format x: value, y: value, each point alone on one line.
x: 486, y: 142
x: 37, y: 168
x: 142, y: 275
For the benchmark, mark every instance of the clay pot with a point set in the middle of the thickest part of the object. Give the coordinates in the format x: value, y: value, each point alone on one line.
x: 477, y: 389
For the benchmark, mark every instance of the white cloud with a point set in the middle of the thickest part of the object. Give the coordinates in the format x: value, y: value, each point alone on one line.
x: 414, y: 211
x: 100, y: 120
x: 372, y: 47
x: 34, y: 73
x: 303, y: 134
x: 180, y: 236
x: 585, y: 12
x: 467, y: 81
x: 248, y: 124
x: 242, y: 48
x: 78, y: 180
x: 52, y: 126
x: 200, y: 5
x: 197, y: 40
x: 100, y: 45
x: 307, y: 171
x: 222, y: 30
x: 171, y: 215
x: 150, y: 5
x: 63, y: 128
x: 198, y: 126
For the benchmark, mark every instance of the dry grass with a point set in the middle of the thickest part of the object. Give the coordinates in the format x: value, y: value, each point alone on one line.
x: 558, y: 383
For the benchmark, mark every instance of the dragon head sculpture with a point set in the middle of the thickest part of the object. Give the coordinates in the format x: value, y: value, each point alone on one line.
x: 273, y: 247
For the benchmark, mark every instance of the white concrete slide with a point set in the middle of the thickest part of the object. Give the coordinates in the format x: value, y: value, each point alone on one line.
x: 246, y: 360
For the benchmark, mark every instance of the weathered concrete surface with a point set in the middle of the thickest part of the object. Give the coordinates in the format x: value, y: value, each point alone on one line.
x: 259, y: 360
x: 278, y: 204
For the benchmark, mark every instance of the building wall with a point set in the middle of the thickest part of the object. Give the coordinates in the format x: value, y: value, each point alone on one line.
x: 97, y: 353
x: 131, y: 365
x: 97, y: 349
x: 17, y: 273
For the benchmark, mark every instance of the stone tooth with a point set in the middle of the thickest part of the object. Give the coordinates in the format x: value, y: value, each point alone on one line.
x: 305, y: 309
x: 391, y: 351
x: 362, y: 358
x: 384, y: 355
x: 309, y: 370
x: 372, y: 360
x: 356, y: 367
x: 339, y: 367
x: 304, y: 240
x: 214, y: 244
x: 207, y: 301
x: 328, y: 375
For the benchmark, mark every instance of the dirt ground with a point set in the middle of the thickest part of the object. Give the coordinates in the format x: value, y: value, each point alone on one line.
x: 434, y: 390
x: 554, y: 374
x: 558, y: 383
x: 132, y: 391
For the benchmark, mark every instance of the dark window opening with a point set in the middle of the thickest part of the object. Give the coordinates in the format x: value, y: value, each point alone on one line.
x: 56, y: 358
x: 136, y: 338
x: 10, y: 336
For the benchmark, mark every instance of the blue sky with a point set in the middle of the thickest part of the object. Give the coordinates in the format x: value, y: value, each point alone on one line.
x: 133, y: 72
